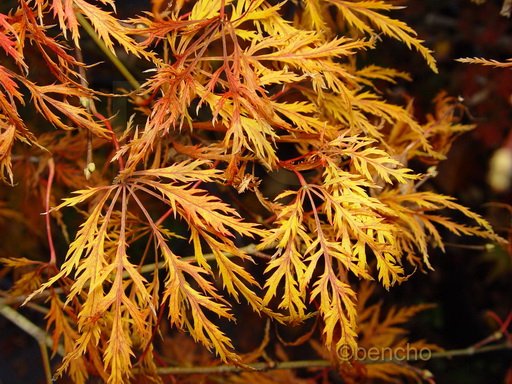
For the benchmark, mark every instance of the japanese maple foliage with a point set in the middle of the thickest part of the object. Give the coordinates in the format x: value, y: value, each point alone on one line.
x: 237, y: 90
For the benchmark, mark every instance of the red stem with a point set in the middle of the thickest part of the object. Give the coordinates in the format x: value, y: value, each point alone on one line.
x: 105, y: 121
x: 292, y: 168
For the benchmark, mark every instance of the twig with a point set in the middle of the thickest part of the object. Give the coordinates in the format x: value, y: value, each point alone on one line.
x: 118, y: 63
x: 29, y: 327
x: 10, y: 300
x: 42, y: 338
x: 266, y: 366
x: 485, y: 247
x: 46, y: 361
x: 470, y: 351
x: 115, y: 142
x: 148, y: 268
x: 88, y: 103
x: 263, y: 366
x: 51, y: 174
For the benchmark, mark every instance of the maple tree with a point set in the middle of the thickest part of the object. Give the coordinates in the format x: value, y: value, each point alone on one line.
x: 238, y: 95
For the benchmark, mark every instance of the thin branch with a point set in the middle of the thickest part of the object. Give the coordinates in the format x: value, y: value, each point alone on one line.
x: 115, y: 142
x: 43, y: 339
x: 29, y: 327
x: 118, y: 63
x: 467, y: 246
x: 37, y: 308
x: 470, y: 351
x: 148, y: 268
x: 6, y: 299
x: 88, y: 103
x: 262, y: 366
x: 250, y: 249
x: 46, y: 362
x: 51, y: 174
x: 268, y: 366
